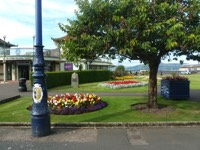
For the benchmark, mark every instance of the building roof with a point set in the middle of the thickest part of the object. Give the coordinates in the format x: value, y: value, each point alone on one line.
x: 7, y: 44
x: 60, y: 39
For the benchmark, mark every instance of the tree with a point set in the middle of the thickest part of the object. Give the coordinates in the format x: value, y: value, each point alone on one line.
x: 85, y: 35
x: 193, y: 27
x: 145, y: 30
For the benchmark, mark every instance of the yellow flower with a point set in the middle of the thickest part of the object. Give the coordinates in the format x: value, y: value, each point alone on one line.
x: 77, y: 103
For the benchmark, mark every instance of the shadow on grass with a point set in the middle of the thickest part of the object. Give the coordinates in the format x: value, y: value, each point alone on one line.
x: 105, y: 117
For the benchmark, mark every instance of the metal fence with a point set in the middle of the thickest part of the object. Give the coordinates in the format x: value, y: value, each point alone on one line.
x: 28, y: 52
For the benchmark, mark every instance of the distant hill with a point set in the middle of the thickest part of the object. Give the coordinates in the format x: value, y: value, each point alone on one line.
x: 162, y: 67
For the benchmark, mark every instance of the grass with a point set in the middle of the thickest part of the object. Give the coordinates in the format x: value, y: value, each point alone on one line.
x: 10, y: 113
x: 118, y: 109
x: 194, y: 81
x: 94, y: 88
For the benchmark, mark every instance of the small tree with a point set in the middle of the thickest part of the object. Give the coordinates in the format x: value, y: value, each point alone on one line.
x: 120, y: 71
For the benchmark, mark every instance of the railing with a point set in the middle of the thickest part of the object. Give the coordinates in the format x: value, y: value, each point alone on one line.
x: 29, y: 52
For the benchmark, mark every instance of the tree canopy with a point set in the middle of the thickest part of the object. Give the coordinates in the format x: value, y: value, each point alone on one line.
x: 145, y: 30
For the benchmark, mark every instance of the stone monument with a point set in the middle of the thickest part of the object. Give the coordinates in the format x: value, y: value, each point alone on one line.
x: 74, y: 80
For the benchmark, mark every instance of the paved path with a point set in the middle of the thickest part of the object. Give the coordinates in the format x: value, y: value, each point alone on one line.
x: 102, y: 139
x: 9, y: 91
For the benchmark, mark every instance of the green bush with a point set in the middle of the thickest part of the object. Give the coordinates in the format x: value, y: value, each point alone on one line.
x: 60, y: 78
x: 119, y: 71
x: 89, y: 76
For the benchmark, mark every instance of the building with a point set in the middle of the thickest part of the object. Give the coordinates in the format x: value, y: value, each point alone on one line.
x: 4, y: 52
x: 19, y: 61
x: 97, y: 64
x: 191, y: 68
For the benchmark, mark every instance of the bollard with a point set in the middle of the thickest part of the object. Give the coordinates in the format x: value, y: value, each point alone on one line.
x: 22, y: 85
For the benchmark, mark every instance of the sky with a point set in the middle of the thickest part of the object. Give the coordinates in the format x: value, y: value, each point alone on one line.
x: 17, y: 19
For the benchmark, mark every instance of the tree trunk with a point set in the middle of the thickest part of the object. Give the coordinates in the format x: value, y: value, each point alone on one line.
x: 152, y: 89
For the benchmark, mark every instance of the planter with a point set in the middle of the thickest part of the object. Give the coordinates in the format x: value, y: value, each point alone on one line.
x: 175, y: 89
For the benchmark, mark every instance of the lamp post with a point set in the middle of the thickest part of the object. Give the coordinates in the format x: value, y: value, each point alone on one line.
x: 40, y: 118
x: 4, y: 60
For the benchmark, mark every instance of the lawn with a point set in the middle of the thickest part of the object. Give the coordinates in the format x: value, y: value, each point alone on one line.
x: 94, y: 88
x: 118, y: 109
x: 194, y: 81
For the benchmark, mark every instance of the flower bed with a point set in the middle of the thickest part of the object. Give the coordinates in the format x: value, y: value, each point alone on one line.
x: 122, y: 84
x: 175, y: 78
x: 124, y: 77
x: 67, y: 104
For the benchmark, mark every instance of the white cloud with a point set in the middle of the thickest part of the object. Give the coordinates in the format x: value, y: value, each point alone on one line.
x: 126, y: 62
x: 54, y: 9
x: 17, y: 8
x: 14, y: 29
x: 17, y: 19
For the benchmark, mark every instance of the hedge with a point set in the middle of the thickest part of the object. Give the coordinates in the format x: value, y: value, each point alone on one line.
x: 60, y: 78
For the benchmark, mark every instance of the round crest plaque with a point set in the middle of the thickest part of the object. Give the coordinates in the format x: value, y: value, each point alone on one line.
x: 37, y: 93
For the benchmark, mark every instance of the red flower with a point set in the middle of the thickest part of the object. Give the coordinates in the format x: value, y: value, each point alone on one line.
x: 74, y: 99
x: 122, y: 82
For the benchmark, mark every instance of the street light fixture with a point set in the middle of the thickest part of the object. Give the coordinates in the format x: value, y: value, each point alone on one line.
x: 4, y: 60
x: 33, y: 52
x: 33, y: 44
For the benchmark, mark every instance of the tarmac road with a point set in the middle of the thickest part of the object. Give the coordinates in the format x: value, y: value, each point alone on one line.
x: 145, y: 138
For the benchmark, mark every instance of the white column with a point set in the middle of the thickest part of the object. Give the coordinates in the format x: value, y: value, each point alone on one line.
x: 4, y: 70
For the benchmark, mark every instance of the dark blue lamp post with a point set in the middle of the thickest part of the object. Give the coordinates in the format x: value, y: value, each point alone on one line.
x: 40, y: 118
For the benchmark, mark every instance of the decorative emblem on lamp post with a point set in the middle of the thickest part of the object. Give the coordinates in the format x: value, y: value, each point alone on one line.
x: 37, y: 93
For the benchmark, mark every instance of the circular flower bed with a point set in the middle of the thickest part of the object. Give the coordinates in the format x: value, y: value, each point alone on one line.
x: 122, y: 84
x: 68, y: 104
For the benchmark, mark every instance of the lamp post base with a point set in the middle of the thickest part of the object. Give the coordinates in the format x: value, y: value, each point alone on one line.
x: 40, y: 125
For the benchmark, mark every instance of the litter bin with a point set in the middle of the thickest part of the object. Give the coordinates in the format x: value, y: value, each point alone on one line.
x: 22, y: 85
